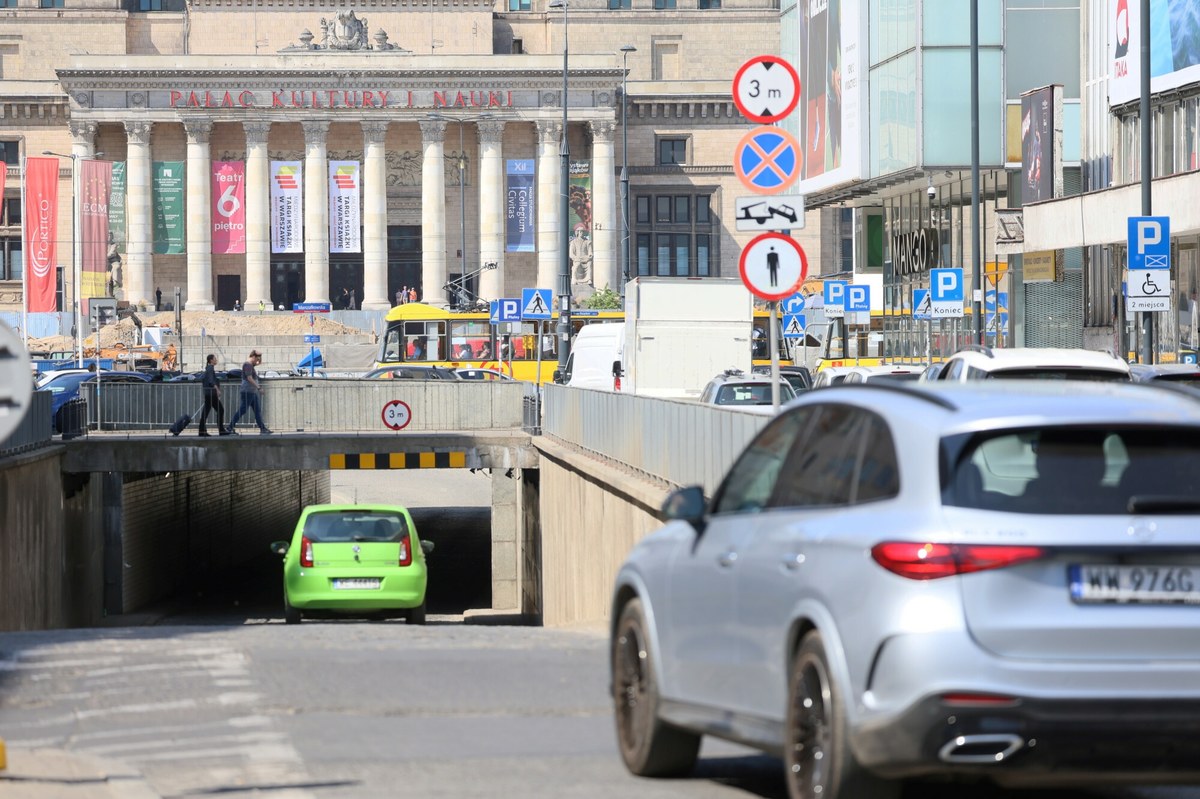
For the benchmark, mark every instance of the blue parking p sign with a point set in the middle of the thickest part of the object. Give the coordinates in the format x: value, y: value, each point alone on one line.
x: 858, y: 299
x: 946, y: 293
x: 835, y: 298
x: 1149, y: 242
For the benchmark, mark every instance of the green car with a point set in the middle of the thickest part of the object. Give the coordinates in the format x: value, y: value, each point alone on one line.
x: 354, y: 560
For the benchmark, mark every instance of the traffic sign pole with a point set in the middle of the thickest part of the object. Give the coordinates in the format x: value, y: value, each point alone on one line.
x: 775, y: 356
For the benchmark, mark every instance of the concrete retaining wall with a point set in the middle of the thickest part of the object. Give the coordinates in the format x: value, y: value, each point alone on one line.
x: 33, y: 568
x: 591, y: 516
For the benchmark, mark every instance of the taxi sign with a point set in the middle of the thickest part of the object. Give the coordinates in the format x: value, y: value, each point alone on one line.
x: 767, y: 160
x: 766, y: 89
x: 773, y: 266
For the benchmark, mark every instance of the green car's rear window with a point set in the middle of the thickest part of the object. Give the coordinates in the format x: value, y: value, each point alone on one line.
x: 333, y: 526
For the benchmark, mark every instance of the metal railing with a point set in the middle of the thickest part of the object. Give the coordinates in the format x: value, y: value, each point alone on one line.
x: 684, y: 443
x: 320, y: 405
x: 35, y: 430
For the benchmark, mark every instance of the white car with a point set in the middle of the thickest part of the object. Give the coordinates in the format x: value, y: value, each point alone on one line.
x: 831, y: 376
x: 873, y: 374
x: 1032, y: 363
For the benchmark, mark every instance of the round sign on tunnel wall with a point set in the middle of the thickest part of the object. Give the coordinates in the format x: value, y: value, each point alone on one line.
x: 397, y: 415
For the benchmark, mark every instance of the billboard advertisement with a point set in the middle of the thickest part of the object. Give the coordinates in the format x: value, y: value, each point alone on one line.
x: 518, y: 205
x: 832, y: 84
x: 1041, y: 144
x: 1174, y: 47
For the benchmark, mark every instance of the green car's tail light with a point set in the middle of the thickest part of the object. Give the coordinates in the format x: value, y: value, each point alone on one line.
x: 405, y: 550
x: 306, y: 558
x: 924, y: 561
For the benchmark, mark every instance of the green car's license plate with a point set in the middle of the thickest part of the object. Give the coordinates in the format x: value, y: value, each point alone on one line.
x: 355, y: 583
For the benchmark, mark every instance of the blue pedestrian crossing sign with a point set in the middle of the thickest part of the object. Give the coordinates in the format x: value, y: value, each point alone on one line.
x: 793, y: 325
x: 535, y: 303
x: 922, y: 309
x: 767, y: 160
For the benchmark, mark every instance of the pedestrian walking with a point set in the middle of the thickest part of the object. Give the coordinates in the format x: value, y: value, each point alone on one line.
x: 261, y: 305
x: 158, y: 299
x: 211, y: 387
x: 353, y: 301
x: 250, y: 395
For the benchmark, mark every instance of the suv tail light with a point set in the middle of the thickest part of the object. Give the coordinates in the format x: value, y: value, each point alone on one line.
x: 405, y: 551
x: 925, y: 561
x: 306, y: 559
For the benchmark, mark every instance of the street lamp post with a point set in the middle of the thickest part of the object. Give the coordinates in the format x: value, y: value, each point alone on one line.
x: 76, y: 255
x: 564, y: 265
x: 625, y: 51
x: 462, y: 207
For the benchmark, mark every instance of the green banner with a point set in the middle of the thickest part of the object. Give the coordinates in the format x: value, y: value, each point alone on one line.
x: 169, y: 221
x: 580, y: 198
x: 116, y: 206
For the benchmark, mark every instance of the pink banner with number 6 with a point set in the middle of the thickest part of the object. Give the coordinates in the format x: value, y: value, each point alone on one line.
x: 229, y: 207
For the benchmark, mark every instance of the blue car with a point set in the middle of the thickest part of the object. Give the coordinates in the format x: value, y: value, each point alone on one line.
x: 66, y: 388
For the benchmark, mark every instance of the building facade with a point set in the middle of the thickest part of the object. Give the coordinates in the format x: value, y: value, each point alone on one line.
x: 424, y: 146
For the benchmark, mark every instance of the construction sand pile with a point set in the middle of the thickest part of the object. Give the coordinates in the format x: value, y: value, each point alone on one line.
x: 213, y: 323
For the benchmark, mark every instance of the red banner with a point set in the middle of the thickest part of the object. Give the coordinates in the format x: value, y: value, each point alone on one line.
x: 41, y: 233
x: 229, y: 207
x: 95, y: 189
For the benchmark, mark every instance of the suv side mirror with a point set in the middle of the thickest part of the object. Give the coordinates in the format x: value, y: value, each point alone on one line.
x: 616, y: 369
x: 686, y: 504
x: 558, y: 376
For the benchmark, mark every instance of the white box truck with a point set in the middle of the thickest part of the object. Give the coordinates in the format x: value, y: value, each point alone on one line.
x: 679, y: 334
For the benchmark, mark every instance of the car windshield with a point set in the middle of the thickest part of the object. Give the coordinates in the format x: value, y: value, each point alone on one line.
x: 1079, y: 471
x: 356, y: 525
x: 1057, y: 373
x: 751, y: 394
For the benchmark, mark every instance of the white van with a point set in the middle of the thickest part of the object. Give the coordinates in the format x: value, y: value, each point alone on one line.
x: 597, y: 357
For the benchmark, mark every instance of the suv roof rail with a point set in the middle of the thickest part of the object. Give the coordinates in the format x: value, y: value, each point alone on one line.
x: 986, y: 350
x: 908, y: 391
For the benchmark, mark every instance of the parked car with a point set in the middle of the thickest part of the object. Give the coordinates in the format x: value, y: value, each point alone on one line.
x: 831, y: 376
x: 932, y: 371
x: 870, y: 374
x: 798, y: 377
x: 734, y: 387
x: 412, y: 373
x: 1032, y: 363
x: 925, y: 583
x: 67, y: 387
x: 479, y: 373
x: 1187, y: 374
x: 354, y: 560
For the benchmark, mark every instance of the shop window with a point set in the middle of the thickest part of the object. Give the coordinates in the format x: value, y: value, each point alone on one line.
x: 678, y: 239
x: 672, y: 151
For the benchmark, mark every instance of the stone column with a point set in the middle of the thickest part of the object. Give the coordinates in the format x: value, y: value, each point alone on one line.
x: 375, y: 272
x: 258, y: 214
x: 139, y: 229
x: 83, y: 145
x: 606, y: 268
x: 549, y: 202
x: 199, y: 216
x: 316, y: 212
x: 491, y: 208
x: 433, y: 213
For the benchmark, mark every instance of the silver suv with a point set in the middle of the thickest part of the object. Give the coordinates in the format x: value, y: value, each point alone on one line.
x: 735, y: 387
x: 901, y: 580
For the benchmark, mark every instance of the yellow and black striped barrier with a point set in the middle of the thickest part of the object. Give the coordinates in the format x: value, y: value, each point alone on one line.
x: 398, y: 460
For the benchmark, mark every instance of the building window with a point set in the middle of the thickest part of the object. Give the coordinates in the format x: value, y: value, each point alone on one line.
x: 675, y: 235
x: 846, y: 238
x: 664, y: 5
x: 672, y: 151
x: 8, y: 3
x: 10, y: 152
x: 707, y: 4
x: 10, y: 212
x: 51, y: 4
x: 10, y: 257
x: 520, y: 5
x: 518, y: 46
x: 150, y: 5
x: 620, y: 5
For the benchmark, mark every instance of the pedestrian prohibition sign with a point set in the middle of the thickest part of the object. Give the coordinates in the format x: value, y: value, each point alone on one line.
x: 773, y: 266
x: 767, y: 160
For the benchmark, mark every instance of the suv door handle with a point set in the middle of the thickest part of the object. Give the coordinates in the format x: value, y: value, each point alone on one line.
x: 727, y: 559
x: 793, y: 561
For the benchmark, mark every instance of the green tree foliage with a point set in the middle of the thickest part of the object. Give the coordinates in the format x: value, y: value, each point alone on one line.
x: 604, y: 300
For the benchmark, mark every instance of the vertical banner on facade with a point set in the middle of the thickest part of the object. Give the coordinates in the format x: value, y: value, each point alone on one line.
x: 1041, y: 144
x: 345, y: 219
x: 95, y: 191
x: 168, y: 191
x: 287, y: 207
x: 116, y: 207
x: 41, y: 233
x: 518, y: 205
x: 228, y: 207
x: 580, y: 249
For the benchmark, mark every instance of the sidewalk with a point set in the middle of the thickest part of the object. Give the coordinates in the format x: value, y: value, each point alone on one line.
x: 58, y: 774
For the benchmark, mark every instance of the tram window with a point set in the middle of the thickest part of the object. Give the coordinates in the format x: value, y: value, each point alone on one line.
x: 424, y: 341
x: 391, y: 345
x: 470, y: 340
